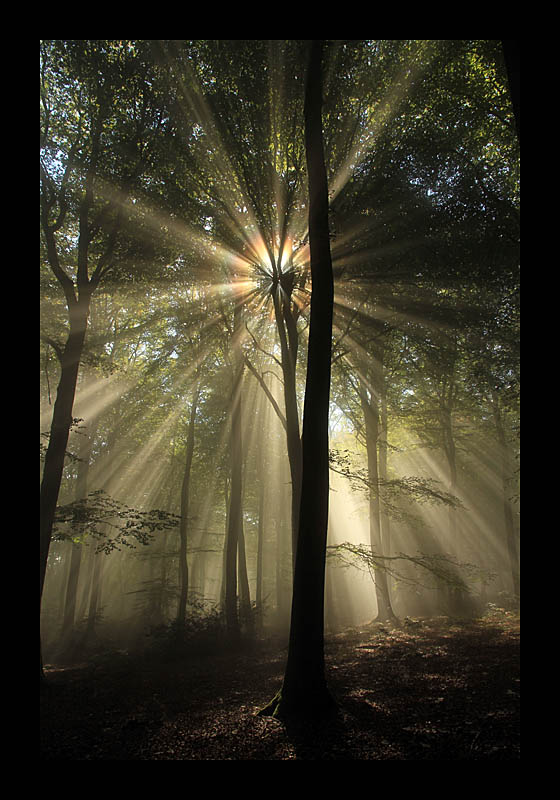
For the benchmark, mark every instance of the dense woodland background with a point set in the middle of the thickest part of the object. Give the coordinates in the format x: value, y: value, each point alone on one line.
x: 175, y: 295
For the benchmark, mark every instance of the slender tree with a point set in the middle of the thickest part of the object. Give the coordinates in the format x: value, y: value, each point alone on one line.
x: 235, y: 515
x: 185, y: 502
x: 98, y: 116
x: 506, y: 475
x: 286, y: 324
x: 304, y: 690
x: 370, y: 408
x: 84, y: 463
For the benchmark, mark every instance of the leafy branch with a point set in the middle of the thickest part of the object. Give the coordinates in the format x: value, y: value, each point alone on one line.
x: 111, y: 521
x: 438, y: 566
x: 414, y: 488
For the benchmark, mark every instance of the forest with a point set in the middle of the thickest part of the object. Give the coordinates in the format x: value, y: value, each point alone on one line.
x: 279, y: 399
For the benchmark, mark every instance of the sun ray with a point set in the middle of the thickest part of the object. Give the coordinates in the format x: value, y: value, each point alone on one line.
x: 236, y: 251
x: 383, y: 112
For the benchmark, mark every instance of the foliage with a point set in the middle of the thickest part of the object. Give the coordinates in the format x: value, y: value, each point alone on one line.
x: 443, y: 568
x: 169, y: 159
x: 76, y: 427
x: 111, y: 521
x: 201, y: 632
x: 410, y: 488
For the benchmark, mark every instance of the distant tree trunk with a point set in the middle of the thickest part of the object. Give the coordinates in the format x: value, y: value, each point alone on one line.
x: 71, y: 591
x: 86, y: 570
x: 290, y: 422
x: 235, y: 515
x: 383, y: 448
x: 225, y: 548
x: 260, y: 540
x: 511, y: 543
x: 304, y: 690
x: 283, y: 581
x: 76, y: 554
x: 287, y: 332
x: 459, y: 601
x: 244, y: 592
x: 370, y: 409
x: 95, y: 596
x: 184, y: 524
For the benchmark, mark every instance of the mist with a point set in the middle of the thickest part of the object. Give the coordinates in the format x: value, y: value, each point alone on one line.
x: 175, y: 321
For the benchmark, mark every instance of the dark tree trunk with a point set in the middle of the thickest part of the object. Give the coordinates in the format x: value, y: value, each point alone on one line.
x: 60, y: 430
x: 183, y: 527
x: 78, y: 299
x: 304, y: 691
x: 288, y: 346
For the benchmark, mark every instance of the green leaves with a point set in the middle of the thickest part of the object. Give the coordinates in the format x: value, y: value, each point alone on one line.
x: 111, y: 521
x: 430, y: 570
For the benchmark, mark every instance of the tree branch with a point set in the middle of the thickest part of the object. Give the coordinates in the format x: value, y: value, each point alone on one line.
x: 268, y: 393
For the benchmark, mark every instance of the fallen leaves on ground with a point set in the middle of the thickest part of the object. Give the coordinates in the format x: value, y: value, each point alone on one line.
x: 436, y: 689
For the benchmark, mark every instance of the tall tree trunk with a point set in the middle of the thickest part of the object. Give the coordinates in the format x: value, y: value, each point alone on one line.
x: 76, y: 554
x: 262, y: 466
x: 304, y: 690
x: 235, y: 516
x: 370, y: 411
x: 184, y: 524
x: 287, y: 332
x: 244, y: 592
x: 260, y: 540
x: 225, y: 548
x: 511, y: 543
x: 95, y: 596
x: 71, y: 591
x: 78, y: 300
x: 60, y: 430
x: 383, y: 448
x: 459, y: 601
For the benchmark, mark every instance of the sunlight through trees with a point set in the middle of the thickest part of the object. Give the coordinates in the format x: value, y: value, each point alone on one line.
x: 256, y: 419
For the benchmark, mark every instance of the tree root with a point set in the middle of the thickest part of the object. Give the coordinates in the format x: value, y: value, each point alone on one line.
x: 309, y: 708
x: 271, y: 709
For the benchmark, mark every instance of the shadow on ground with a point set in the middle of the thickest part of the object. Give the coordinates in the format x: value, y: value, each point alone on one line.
x: 441, y: 690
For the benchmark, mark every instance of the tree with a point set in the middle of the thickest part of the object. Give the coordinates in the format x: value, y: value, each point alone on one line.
x: 185, y: 505
x: 304, y: 689
x: 87, y: 438
x: 506, y: 477
x: 369, y: 399
x: 419, y: 151
x: 235, y: 515
x: 101, y: 112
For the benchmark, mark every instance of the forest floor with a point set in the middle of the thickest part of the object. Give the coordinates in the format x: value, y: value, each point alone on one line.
x: 429, y: 689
